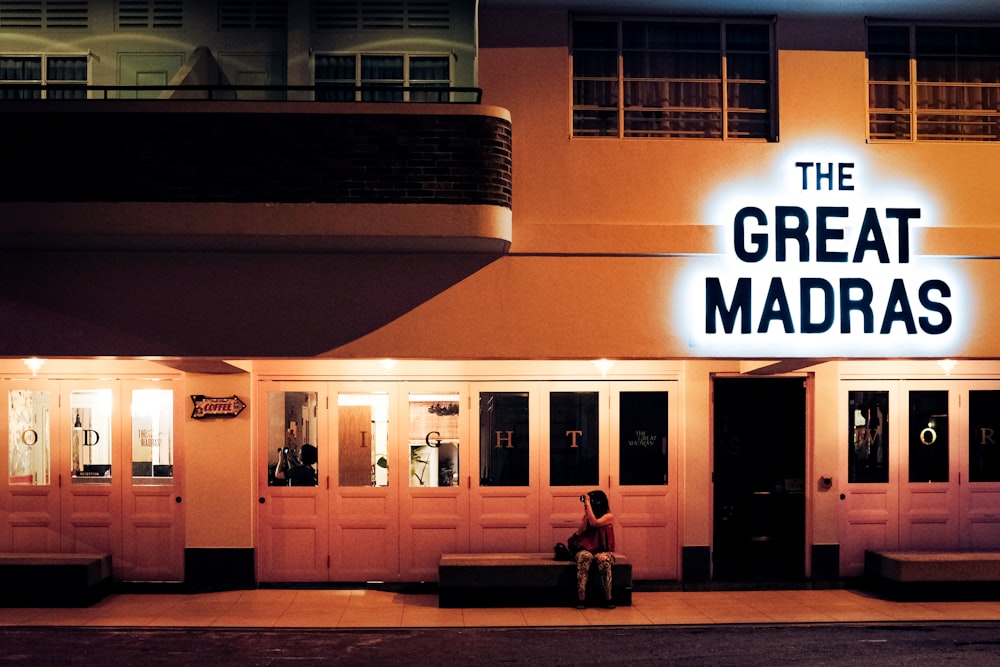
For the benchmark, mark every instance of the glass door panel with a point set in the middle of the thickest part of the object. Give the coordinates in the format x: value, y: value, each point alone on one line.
x: 868, y: 451
x: 574, y: 438
x: 363, y: 439
x: 152, y: 436
x: 434, y: 439
x: 292, y: 437
x: 928, y: 441
x: 91, y: 439
x: 504, y: 442
x: 984, y: 436
x: 643, y: 428
x: 29, y: 436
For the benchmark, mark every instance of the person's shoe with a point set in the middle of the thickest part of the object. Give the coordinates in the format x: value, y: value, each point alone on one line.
x: 579, y: 604
x: 609, y: 604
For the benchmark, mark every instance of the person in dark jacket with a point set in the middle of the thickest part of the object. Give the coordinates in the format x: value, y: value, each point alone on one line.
x: 301, y: 472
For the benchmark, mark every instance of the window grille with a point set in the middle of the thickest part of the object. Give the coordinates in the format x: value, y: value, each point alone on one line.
x: 673, y: 79
x: 933, y: 83
x: 253, y: 15
x: 150, y: 14
x: 38, y: 14
x: 384, y: 15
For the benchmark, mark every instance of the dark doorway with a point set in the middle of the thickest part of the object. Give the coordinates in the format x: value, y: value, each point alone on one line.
x: 759, y: 479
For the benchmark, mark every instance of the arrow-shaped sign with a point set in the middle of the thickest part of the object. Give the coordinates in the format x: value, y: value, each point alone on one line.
x: 206, y: 406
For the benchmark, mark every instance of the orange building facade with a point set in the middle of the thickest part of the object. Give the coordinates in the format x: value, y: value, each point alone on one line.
x: 733, y: 268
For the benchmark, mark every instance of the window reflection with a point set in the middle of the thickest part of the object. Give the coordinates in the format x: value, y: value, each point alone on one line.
x: 642, y: 437
x: 90, y: 453
x: 291, y: 438
x: 928, y: 436
x: 363, y: 439
x: 984, y: 434
x: 868, y: 453
x: 433, y: 440
x: 152, y: 436
x: 573, y: 439
x: 503, y: 439
x: 28, y: 434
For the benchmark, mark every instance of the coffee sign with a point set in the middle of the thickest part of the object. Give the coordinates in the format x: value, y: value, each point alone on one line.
x: 205, y: 406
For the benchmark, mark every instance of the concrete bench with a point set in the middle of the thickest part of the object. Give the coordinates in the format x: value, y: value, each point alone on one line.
x: 935, y: 574
x: 523, y: 579
x: 53, y: 580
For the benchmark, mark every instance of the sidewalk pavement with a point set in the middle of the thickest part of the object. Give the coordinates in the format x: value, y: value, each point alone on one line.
x: 373, y: 609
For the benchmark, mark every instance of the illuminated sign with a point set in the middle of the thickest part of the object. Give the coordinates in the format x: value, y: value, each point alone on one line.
x: 820, y: 260
x: 207, y: 406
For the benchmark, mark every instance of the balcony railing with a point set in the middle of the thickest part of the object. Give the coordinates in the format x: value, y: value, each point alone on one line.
x: 319, y: 93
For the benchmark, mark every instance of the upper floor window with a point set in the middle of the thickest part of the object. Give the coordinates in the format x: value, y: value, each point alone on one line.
x: 382, y: 78
x: 23, y: 77
x: 37, y: 14
x: 393, y: 15
x: 933, y: 83
x: 150, y: 14
x: 659, y: 78
x: 253, y: 15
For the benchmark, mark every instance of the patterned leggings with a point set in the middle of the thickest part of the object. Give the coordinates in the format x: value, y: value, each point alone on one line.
x: 584, y: 558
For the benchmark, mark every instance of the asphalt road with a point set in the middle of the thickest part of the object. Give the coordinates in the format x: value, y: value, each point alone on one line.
x: 966, y: 644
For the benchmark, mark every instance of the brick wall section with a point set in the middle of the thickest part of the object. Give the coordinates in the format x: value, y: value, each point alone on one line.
x: 256, y: 157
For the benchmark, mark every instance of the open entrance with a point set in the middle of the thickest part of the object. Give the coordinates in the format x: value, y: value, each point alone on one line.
x: 759, y: 479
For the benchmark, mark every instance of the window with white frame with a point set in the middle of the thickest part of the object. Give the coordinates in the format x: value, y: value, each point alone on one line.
x: 673, y: 79
x: 930, y: 82
x: 382, y: 77
x: 27, y: 77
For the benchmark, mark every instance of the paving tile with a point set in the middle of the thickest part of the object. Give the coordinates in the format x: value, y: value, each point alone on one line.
x: 364, y: 608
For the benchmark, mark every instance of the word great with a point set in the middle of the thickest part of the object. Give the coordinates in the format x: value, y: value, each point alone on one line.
x: 833, y: 237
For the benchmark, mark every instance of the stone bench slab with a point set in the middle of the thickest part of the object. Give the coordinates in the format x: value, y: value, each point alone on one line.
x: 45, y: 579
x: 524, y: 579
x: 956, y: 575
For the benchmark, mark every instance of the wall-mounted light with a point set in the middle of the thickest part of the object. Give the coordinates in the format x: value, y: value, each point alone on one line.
x: 388, y: 364
x: 603, y: 365
x: 34, y: 364
x: 946, y: 365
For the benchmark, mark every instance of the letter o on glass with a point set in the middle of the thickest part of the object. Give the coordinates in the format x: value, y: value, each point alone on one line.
x: 928, y: 436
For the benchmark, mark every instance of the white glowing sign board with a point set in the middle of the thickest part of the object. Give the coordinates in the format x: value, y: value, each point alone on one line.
x: 819, y: 258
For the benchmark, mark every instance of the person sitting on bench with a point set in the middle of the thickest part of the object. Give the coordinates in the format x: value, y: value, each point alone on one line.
x: 595, y: 539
